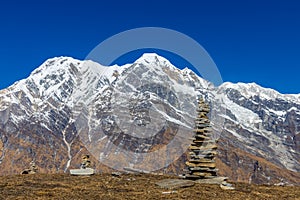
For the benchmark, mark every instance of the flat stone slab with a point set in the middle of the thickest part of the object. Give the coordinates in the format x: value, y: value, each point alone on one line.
x: 215, y: 180
x: 175, y: 183
x: 226, y: 186
x: 82, y: 172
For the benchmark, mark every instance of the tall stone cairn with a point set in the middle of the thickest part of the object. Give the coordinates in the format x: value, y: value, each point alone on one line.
x: 203, y: 149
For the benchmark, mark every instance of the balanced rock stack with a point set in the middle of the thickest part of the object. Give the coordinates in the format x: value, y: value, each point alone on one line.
x: 86, y: 163
x: 85, y: 167
x: 32, y: 169
x: 201, y: 160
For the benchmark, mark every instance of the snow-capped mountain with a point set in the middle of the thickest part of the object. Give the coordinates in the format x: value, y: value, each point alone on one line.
x: 142, y: 115
x: 269, y: 120
x: 263, y: 123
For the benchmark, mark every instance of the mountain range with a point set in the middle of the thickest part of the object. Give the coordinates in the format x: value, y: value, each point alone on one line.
x: 141, y: 116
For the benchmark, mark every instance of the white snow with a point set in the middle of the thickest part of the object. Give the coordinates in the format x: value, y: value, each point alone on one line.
x: 244, y: 116
x: 171, y: 119
x: 252, y: 89
x: 278, y: 112
x: 153, y: 58
x: 68, y: 150
x: 236, y: 135
x: 293, y: 109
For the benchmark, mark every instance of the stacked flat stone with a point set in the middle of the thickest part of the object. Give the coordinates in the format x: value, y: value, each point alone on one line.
x: 85, y: 167
x: 32, y: 169
x: 86, y: 163
x: 203, y: 149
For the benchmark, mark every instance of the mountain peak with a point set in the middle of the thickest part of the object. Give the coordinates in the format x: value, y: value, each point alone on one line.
x: 148, y: 58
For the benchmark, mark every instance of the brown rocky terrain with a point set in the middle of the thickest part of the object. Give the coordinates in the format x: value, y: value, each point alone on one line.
x: 231, y: 162
x: 129, y: 186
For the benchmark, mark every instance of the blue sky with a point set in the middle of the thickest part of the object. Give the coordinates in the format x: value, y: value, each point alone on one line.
x: 250, y: 41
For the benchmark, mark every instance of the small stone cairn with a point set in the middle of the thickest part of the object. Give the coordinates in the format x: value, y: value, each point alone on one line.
x: 203, y: 149
x: 32, y: 169
x: 85, y: 167
x: 86, y: 163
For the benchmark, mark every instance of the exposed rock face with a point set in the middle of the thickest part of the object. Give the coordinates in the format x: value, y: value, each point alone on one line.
x: 67, y: 106
x: 261, y: 125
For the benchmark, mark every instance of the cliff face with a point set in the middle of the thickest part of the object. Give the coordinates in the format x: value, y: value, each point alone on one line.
x: 141, y: 115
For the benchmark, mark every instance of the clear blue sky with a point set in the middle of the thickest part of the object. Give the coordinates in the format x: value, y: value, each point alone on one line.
x: 250, y: 41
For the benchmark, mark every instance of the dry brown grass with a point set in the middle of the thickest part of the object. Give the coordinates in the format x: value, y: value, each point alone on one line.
x: 129, y: 186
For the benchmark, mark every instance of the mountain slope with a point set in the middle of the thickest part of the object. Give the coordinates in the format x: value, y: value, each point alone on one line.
x: 141, y: 115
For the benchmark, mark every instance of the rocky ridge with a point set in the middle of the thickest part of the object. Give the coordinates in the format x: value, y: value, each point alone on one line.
x: 65, y: 106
